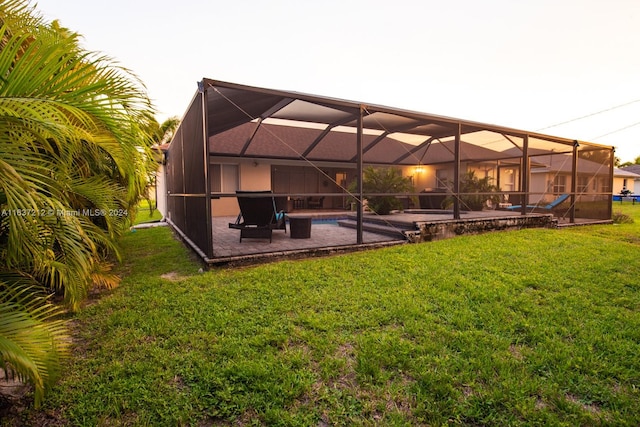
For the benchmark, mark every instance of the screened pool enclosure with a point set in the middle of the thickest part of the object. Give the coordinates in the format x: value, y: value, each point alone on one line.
x: 310, y: 152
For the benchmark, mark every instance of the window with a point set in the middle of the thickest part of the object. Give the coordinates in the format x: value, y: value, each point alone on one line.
x: 583, y: 184
x: 508, y: 179
x: 604, y: 185
x: 559, y: 184
x: 442, y: 178
x: 224, y: 178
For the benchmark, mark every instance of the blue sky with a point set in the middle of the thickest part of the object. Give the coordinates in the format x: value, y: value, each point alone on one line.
x: 527, y: 64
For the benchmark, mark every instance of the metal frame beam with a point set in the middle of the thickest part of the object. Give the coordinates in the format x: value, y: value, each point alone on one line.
x: 324, y: 133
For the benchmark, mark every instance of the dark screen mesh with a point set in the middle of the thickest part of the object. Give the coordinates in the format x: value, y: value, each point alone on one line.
x: 187, y: 180
x: 193, y: 150
x: 593, y: 185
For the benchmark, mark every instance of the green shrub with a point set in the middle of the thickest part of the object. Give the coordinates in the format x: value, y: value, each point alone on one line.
x: 470, y: 184
x: 383, y: 180
x: 621, y: 218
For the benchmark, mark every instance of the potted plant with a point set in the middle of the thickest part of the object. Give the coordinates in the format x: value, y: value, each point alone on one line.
x: 383, y: 180
x: 471, y: 184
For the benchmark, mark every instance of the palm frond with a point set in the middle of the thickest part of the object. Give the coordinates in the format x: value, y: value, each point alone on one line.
x: 33, y: 340
x: 74, y: 138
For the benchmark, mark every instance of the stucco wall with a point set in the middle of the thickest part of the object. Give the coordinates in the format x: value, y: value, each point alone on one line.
x: 423, y: 176
x: 537, y: 186
x: 254, y: 176
x: 161, y: 191
x: 618, y: 183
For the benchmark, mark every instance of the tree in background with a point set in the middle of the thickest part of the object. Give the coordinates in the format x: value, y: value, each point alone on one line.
x: 636, y: 161
x: 74, y: 159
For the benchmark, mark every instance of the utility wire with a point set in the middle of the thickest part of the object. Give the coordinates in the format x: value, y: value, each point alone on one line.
x: 591, y: 115
x: 616, y: 131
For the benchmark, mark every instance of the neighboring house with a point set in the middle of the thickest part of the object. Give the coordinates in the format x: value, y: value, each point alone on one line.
x: 552, y: 176
x: 627, y: 177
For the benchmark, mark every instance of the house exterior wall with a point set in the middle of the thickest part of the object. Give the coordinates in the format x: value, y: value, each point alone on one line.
x: 255, y: 176
x: 161, y: 190
x: 618, y: 184
x: 252, y: 176
x: 537, y: 187
x: 422, y: 176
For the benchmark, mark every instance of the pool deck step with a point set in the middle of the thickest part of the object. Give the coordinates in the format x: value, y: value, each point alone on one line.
x: 387, y: 229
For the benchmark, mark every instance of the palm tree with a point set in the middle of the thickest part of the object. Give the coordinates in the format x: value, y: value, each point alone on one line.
x: 73, y: 145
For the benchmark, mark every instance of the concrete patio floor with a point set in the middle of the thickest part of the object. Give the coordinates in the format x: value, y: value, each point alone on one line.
x: 327, y: 236
x: 323, y: 234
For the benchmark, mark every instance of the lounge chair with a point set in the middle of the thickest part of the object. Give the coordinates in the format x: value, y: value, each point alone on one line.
x: 258, y: 215
x: 548, y: 207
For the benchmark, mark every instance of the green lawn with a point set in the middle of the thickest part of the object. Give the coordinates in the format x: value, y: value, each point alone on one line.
x: 531, y: 327
x: 144, y: 214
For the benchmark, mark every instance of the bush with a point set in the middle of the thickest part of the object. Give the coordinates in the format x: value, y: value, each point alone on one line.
x: 621, y: 218
x: 383, y: 180
x: 470, y: 184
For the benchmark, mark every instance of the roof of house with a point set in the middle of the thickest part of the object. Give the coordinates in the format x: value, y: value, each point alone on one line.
x: 627, y: 172
x: 635, y: 169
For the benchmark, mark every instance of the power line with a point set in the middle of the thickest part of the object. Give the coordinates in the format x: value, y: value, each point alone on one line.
x: 616, y: 131
x: 594, y: 114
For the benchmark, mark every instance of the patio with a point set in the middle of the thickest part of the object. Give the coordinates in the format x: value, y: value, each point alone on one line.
x: 335, y: 232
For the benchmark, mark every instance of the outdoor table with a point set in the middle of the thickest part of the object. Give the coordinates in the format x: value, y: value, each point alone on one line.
x: 300, y: 227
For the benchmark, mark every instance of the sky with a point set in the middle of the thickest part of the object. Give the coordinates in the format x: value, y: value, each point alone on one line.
x: 567, y: 68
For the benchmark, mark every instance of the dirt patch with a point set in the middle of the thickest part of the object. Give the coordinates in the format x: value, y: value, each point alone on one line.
x: 589, y: 407
x: 11, y: 388
x: 541, y: 404
x: 516, y: 351
x: 172, y: 276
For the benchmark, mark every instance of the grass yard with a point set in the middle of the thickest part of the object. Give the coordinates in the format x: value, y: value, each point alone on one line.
x: 531, y: 327
x: 143, y: 213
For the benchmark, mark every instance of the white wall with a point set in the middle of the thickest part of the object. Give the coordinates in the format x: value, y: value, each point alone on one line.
x: 618, y: 183
x: 161, y: 191
x: 537, y: 184
x: 254, y: 176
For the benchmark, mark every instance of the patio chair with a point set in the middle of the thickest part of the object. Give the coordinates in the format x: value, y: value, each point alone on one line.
x: 548, y: 207
x: 258, y: 216
x: 315, y: 202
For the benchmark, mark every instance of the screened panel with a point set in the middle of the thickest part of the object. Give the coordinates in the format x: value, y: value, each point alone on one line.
x: 438, y: 152
x: 389, y: 122
x: 177, y: 213
x: 175, y: 171
x: 232, y: 141
x: 490, y: 145
x: 230, y: 107
x: 593, y: 183
x: 224, y: 178
x: 541, y: 146
x: 307, y: 111
x: 194, y: 150
x: 337, y: 146
x: 196, y: 225
x: 186, y: 177
x: 550, y: 177
x: 287, y: 142
x: 389, y: 150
